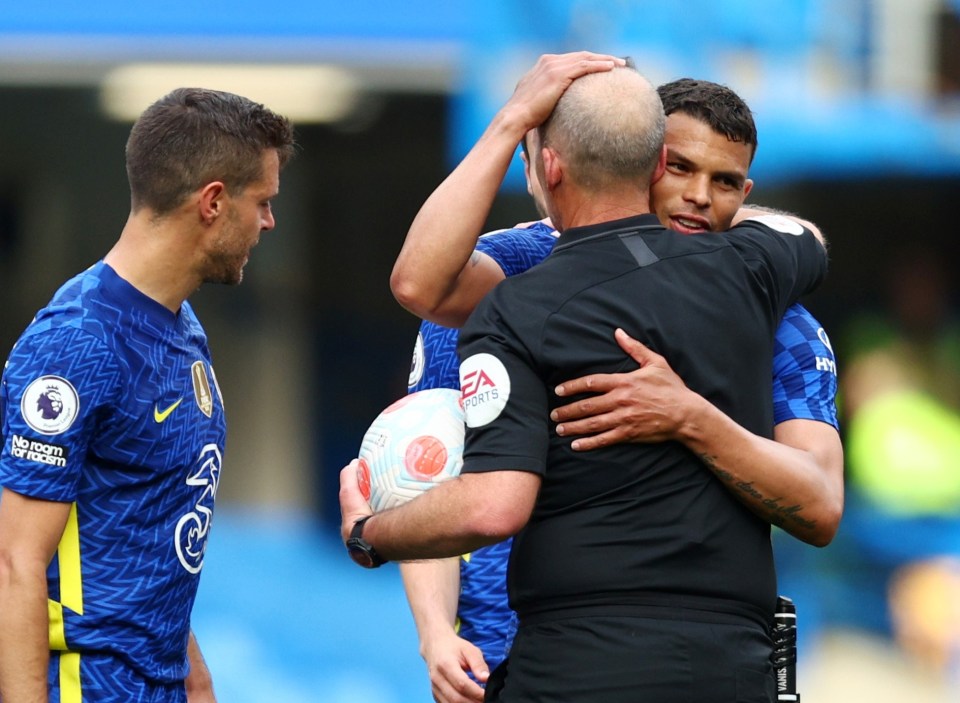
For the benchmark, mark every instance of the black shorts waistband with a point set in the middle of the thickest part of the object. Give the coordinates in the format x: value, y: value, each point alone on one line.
x: 658, y: 606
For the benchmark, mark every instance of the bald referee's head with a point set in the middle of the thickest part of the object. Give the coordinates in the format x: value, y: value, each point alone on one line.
x: 600, y: 149
x: 609, y: 127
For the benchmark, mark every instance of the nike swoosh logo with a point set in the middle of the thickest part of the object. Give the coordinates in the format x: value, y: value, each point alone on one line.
x: 160, y: 416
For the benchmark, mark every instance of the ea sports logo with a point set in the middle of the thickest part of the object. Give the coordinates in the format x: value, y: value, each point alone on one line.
x: 779, y: 223
x: 474, y: 382
x: 484, y: 389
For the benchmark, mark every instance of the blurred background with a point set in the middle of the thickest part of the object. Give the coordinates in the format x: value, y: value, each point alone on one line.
x: 857, y: 104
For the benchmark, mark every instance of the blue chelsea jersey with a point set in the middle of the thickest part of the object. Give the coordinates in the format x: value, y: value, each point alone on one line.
x: 435, y: 362
x: 484, y: 617
x: 804, y: 370
x: 110, y: 403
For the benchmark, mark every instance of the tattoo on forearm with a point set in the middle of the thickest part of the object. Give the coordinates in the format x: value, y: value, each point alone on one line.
x: 771, y: 508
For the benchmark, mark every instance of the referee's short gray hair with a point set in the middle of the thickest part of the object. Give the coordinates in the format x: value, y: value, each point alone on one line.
x: 610, y: 128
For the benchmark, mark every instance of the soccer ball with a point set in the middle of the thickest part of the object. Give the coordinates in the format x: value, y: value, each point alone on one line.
x: 412, y: 446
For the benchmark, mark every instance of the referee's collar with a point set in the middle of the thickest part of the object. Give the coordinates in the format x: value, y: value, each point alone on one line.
x: 578, y: 234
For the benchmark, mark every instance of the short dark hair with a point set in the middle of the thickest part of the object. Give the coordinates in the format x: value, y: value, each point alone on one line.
x: 193, y: 136
x: 714, y: 104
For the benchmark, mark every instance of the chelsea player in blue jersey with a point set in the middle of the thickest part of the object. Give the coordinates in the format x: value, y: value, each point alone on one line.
x: 113, y: 422
x: 795, y: 482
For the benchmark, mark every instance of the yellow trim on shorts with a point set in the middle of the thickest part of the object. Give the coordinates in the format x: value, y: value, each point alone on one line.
x: 70, y: 691
x: 58, y: 638
x: 71, y: 596
x: 71, y: 582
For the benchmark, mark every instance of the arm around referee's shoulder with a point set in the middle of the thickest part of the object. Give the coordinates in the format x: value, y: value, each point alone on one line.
x: 749, y: 211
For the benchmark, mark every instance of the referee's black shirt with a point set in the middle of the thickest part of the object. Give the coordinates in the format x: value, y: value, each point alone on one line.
x: 634, y: 523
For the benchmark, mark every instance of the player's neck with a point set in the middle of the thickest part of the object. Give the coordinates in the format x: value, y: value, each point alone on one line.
x: 148, y: 257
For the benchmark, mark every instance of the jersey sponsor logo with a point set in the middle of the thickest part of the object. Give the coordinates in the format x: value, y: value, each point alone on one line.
x: 192, y: 529
x: 779, y: 223
x: 826, y: 364
x: 417, y: 364
x: 50, y: 405
x: 822, y: 336
x: 40, y: 452
x: 484, y: 389
x: 161, y: 415
x: 201, y: 388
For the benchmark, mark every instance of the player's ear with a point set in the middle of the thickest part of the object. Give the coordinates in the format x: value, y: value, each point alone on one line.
x: 211, y: 204
x: 747, y: 187
x: 661, y: 166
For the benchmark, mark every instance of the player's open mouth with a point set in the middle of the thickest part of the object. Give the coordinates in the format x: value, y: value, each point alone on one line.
x: 689, y: 225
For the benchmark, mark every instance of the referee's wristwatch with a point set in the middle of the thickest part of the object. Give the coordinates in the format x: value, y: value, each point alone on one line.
x: 361, y: 551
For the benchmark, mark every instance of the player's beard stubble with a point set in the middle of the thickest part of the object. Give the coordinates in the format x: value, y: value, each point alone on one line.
x: 230, y: 253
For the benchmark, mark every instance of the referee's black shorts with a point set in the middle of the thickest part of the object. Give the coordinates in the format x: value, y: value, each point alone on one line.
x: 635, y: 659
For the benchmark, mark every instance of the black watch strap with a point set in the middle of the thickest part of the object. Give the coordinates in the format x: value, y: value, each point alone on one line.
x: 360, y: 550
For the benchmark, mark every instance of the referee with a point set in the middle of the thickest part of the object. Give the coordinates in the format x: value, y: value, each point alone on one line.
x: 634, y: 572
